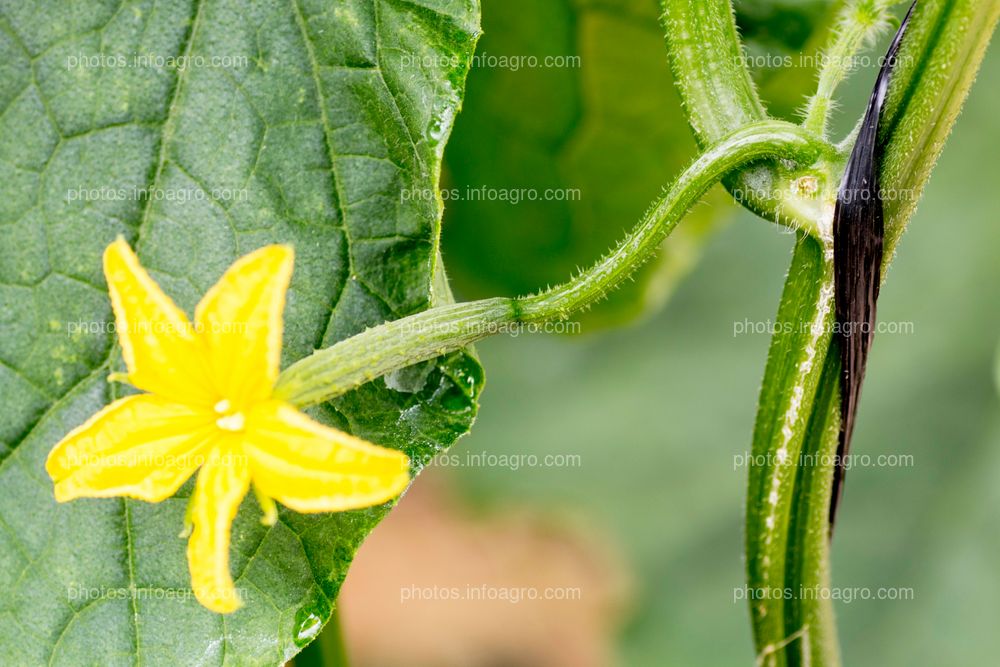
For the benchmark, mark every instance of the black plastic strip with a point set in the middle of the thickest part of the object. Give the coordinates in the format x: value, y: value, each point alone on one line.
x: 858, y: 233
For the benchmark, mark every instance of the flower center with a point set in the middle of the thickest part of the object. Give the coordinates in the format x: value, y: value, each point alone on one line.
x: 229, y: 420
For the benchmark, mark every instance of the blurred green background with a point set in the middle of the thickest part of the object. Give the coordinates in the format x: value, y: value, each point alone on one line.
x: 659, y: 410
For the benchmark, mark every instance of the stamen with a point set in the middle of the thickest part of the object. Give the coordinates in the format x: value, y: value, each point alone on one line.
x: 234, y: 422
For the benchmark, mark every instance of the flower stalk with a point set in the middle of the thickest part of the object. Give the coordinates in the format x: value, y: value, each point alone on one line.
x: 350, y: 363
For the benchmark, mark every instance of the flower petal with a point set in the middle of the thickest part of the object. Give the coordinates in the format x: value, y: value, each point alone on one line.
x: 239, y: 320
x: 141, y: 446
x: 313, y: 468
x: 221, y: 486
x: 158, y: 342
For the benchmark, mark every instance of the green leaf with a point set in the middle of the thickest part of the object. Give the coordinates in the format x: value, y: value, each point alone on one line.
x: 603, y: 128
x: 298, y: 121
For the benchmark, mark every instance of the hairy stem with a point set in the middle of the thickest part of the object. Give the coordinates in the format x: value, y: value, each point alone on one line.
x: 795, y: 365
x: 787, y: 546
x: 719, y: 96
x: 938, y: 61
x: 860, y: 21
x: 752, y: 143
x: 348, y: 364
x: 808, y: 565
x: 714, y: 82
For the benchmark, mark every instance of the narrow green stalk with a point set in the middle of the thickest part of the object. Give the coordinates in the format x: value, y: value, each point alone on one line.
x: 352, y: 362
x: 330, y: 372
x: 752, y: 143
x: 860, y: 21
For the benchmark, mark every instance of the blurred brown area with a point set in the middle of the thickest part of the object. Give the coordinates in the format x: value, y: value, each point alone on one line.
x: 439, y: 584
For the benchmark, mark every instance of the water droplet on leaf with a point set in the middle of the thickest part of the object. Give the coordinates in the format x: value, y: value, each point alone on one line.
x: 308, y: 623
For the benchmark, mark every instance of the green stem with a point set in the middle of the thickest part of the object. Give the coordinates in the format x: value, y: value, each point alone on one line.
x: 752, y: 143
x: 787, y: 545
x: 938, y: 62
x: 808, y: 551
x: 859, y: 22
x: 711, y: 73
x: 350, y: 363
x: 774, y: 559
x: 719, y: 96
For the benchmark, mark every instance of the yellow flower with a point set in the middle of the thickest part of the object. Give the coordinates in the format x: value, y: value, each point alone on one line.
x: 210, y: 406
